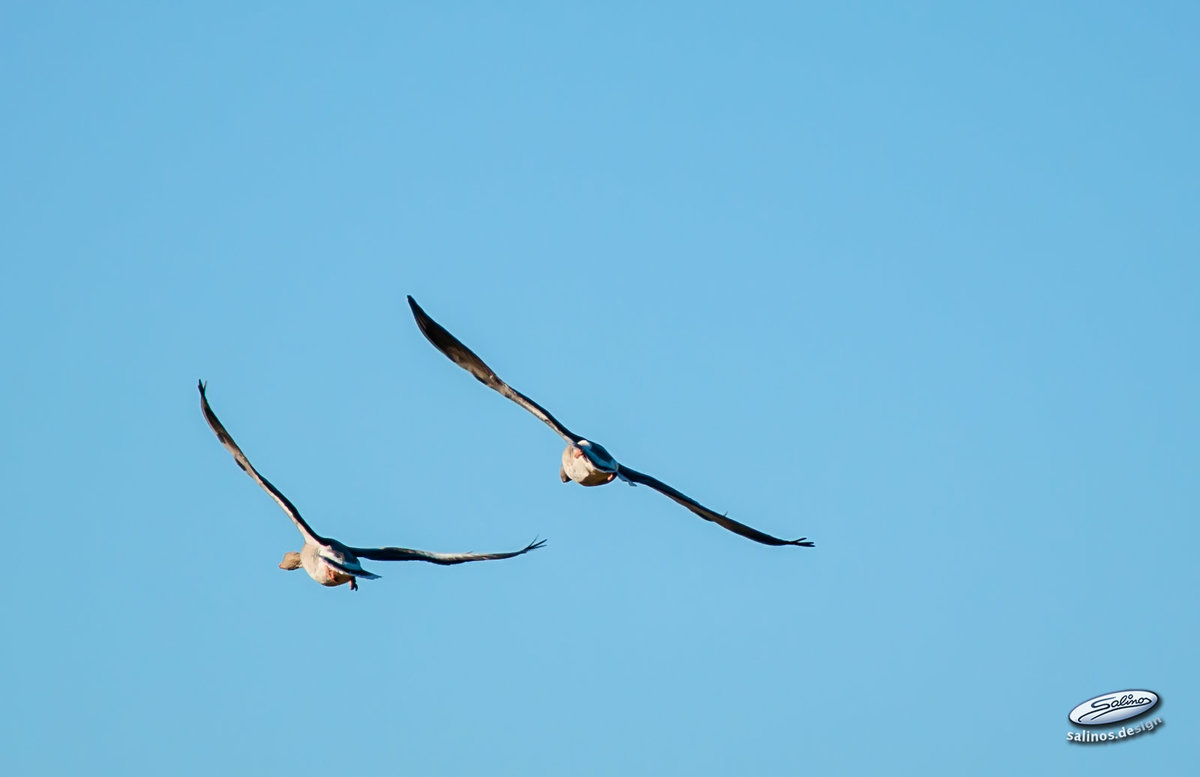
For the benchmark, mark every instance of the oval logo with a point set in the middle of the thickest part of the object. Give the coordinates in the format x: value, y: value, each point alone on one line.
x: 1113, y: 707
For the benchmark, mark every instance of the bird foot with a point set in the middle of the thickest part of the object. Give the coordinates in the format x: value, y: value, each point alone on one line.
x: 353, y: 584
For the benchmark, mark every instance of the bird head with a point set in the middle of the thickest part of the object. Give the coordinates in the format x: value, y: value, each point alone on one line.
x: 291, y: 560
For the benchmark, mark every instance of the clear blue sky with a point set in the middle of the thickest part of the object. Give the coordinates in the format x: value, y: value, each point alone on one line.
x: 921, y: 284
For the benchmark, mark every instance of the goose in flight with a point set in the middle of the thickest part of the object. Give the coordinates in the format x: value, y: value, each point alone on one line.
x: 326, y: 560
x: 584, y: 461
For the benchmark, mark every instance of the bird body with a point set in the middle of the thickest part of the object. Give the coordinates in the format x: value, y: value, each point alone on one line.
x: 331, y: 565
x: 582, y: 468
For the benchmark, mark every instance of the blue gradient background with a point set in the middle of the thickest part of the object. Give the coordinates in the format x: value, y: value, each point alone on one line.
x: 920, y: 284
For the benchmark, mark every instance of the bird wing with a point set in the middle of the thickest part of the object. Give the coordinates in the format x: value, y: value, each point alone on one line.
x: 408, y: 554
x: 248, y: 468
x: 707, y: 514
x: 464, y: 357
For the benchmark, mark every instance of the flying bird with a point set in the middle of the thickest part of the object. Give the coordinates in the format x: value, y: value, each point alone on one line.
x: 584, y: 461
x: 326, y: 560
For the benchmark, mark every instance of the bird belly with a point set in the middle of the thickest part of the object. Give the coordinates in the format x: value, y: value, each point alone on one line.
x: 335, y: 577
x: 319, y: 571
x: 582, y: 471
x: 332, y: 577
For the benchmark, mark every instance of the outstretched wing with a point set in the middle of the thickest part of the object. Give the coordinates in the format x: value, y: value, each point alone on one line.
x: 708, y: 515
x: 407, y: 554
x: 464, y: 357
x: 248, y: 468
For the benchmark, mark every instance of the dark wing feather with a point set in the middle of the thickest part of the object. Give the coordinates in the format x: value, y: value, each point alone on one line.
x: 248, y: 468
x: 407, y: 554
x: 709, y: 515
x: 464, y: 357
